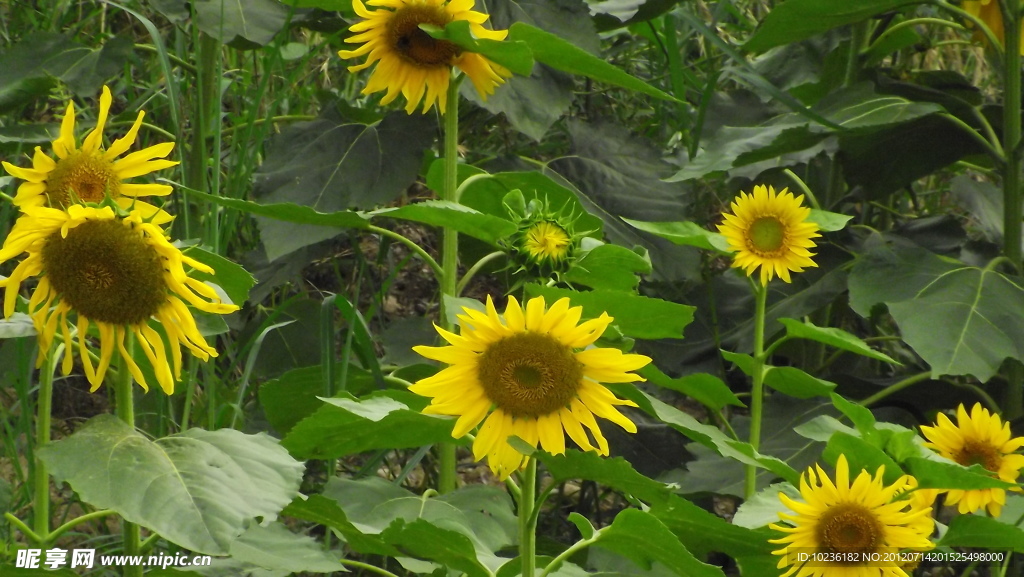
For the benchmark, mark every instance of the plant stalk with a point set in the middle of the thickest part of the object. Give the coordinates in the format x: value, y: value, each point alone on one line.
x: 757, y: 389
x: 449, y: 257
x: 527, y: 534
x: 125, y: 407
x: 41, y: 482
x: 1013, y: 402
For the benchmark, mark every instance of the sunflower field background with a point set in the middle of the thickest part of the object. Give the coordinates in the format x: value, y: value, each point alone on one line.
x: 511, y: 287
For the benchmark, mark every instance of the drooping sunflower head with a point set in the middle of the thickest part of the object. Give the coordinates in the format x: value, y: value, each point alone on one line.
x: 988, y: 11
x: 863, y: 517
x: 525, y: 373
x: 980, y: 438
x: 92, y: 173
x: 770, y: 231
x: 115, y: 273
x: 412, y: 63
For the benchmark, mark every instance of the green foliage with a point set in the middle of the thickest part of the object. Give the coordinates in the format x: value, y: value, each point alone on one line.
x: 207, y: 486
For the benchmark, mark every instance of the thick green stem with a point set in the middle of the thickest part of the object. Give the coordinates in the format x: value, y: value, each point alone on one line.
x: 757, y: 390
x: 41, y: 500
x: 449, y: 256
x: 125, y: 406
x: 1013, y: 402
x: 527, y: 534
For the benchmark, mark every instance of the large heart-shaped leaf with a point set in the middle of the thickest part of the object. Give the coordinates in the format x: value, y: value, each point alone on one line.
x: 962, y: 320
x: 198, y: 489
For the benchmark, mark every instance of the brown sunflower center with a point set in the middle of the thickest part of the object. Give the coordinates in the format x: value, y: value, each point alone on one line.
x: 766, y: 235
x: 979, y: 453
x: 416, y: 46
x: 81, y: 176
x: 849, y: 528
x: 529, y: 374
x: 106, y: 272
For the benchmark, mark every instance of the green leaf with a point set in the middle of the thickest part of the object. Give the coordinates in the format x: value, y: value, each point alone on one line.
x: 288, y: 211
x: 859, y: 415
x: 828, y: 221
x: 330, y: 165
x: 19, y: 325
x: 327, y: 512
x: 707, y: 435
x: 684, y: 233
x: 516, y: 56
x: 530, y: 103
x: 983, y: 532
x: 583, y: 524
x: 385, y: 420
x: 934, y: 474
x: 198, y: 489
x: 614, y: 472
x: 485, y: 194
x: 702, y: 532
x: 833, y: 337
x: 795, y: 20
x: 797, y: 383
x: 644, y: 539
x: 257, y: 21
x: 764, y: 507
x: 563, y: 55
x: 227, y: 274
x: 636, y: 316
x: 609, y: 266
x: 862, y: 456
x: 296, y: 394
x: 456, y: 216
x: 709, y: 390
x: 275, y: 548
x: 962, y: 320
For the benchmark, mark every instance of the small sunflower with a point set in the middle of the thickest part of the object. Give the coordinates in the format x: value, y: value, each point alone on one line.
x: 526, y: 376
x: 988, y: 11
x: 981, y: 438
x: 861, y: 518
x: 92, y: 173
x: 770, y: 231
x: 411, y: 62
x: 546, y: 243
x: 116, y: 273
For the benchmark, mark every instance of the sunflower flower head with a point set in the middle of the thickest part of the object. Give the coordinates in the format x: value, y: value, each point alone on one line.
x: 980, y: 438
x: 524, y: 374
x: 545, y: 242
x: 115, y: 273
x: 414, y: 64
x: 92, y: 173
x: 861, y: 518
x: 770, y: 231
x: 988, y: 11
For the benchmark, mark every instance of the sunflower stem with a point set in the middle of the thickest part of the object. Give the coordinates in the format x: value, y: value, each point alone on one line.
x: 125, y: 407
x: 527, y: 520
x: 449, y: 257
x: 757, y: 389
x: 1013, y: 402
x: 41, y: 481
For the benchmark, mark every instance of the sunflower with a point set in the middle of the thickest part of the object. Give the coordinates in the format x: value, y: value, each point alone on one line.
x: 116, y: 273
x: 988, y: 11
x: 524, y: 374
x: 92, y: 173
x: 981, y: 438
x: 770, y: 231
x: 410, y: 61
x: 859, y: 519
x: 546, y: 242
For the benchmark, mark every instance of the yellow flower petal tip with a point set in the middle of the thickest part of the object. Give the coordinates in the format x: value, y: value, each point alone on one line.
x: 770, y: 231
x: 864, y: 519
x: 523, y: 375
x: 412, y: 63
x: 115, y: 276
x: 90, y: 173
